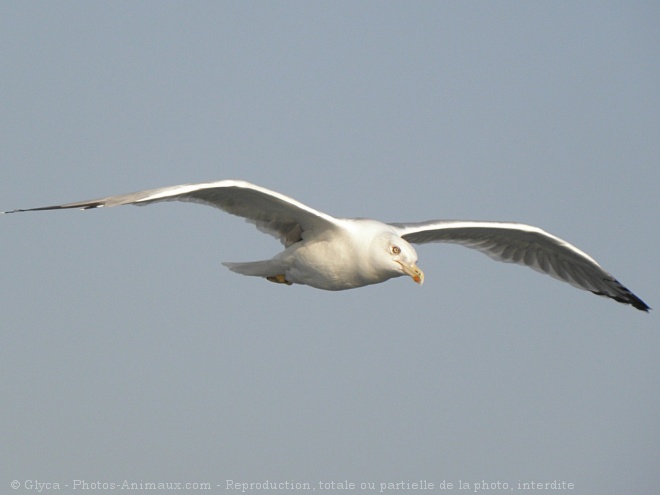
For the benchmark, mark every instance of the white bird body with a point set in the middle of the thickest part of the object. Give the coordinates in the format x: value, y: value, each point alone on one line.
x: 337, y: 253
x: 336, y: 259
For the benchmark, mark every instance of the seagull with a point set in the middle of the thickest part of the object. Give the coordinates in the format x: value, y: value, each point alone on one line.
x: 331, y: 253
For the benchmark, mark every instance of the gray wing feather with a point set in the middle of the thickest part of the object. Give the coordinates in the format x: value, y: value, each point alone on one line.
x: 524, y: 245
x: 272, y: 212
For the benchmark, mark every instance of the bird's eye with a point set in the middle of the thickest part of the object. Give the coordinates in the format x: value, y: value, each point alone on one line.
x: 395, y: 249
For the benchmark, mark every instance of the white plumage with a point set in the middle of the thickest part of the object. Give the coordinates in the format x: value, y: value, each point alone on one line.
x: 338, y: 253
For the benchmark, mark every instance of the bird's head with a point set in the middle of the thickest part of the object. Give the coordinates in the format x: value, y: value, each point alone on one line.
x: 400, y: 258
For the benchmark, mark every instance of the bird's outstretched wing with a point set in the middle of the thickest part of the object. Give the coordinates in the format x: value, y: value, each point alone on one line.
x: 272, y: 212
x: 525, y: 245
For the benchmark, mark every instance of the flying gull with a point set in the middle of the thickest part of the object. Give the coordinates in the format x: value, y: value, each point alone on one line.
x: 341, y: 253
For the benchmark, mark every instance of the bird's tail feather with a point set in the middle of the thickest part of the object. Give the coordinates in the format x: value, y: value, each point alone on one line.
x: 266, y: 268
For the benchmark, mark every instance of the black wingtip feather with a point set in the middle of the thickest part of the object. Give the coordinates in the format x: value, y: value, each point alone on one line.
x: 628, y: 298
x: 59, y: 207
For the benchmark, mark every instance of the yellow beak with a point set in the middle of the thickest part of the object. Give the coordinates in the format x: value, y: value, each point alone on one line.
x: 413, y: 270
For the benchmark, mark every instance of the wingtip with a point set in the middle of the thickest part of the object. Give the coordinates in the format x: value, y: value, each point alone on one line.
x: 628, y: 298
x: 83, y: 207
x: 642, y: 306
x: 636, y: 302
x: 12, y: 211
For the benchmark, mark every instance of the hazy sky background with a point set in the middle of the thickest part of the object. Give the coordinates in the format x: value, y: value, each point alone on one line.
x: 129, y: 353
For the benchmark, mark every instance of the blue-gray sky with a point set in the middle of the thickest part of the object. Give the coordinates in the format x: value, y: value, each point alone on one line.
x: 129, y: 353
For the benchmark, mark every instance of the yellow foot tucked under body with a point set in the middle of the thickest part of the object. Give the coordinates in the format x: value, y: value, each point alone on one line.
x: 279, y: 279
